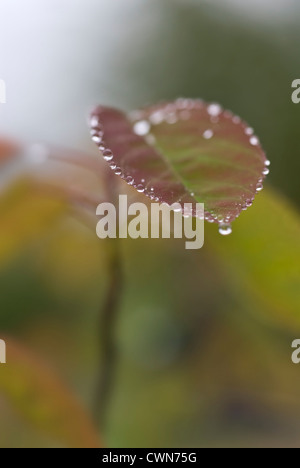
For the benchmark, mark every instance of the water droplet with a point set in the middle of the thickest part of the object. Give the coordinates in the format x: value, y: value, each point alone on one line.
x: 208, y: 134
x: 129, y: 180
x: 102, y: 147
x: 140, y: 188
x: 141, y: 128
x: 254, y: 141
x: 157, y: 117
x: 96, y: 130
x: 107, y: 155
x: 118, y: 171
x: 152, y: 189
x: 259, y: 187
x: 249, y: 131
x: 268, y: 163
x: 182, y: 103
x: 236, y: 119
x: 192, y: 194
x: 214, y: 110
x: 94, y: 122
x: 228, y: 115
x: 97, y: 138
x: 143, y: 181
x: 266, y: 171
x: 171, y: 118
x: 225, y: 229
x: 113, y: 166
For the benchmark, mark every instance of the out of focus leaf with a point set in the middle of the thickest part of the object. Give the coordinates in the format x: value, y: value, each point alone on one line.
x: 25, y: 214
x: 8, y: 149
x: 39, y: 395
x: 263, y: 257
x: 186, y: 152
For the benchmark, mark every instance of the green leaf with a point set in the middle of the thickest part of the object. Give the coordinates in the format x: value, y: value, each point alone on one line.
x: 262, y: 257
x: 184, y: 152
x: 39, y: 396
x: 26, y: 213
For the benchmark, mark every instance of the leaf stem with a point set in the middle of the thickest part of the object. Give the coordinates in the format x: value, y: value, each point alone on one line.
x: 107, y: 339
x: 108, y: 317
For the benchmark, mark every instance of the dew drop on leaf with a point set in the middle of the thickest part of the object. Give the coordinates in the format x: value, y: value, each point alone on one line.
x: 225, y: 229
x: 141, y: 128
x: 208, y: 134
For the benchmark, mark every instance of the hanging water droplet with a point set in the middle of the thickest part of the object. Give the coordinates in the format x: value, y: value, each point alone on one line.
x: 118, y: 171
x: 141, y: 128
x: 94, y: 121
x: 107, y: 155
x: 129, y: 180
x: 254, y: 141
x: 267, y: 163
x: 228, y: 114
x: 249, y: 131
x: 259, y: 187
x: 208, y: 134
x: 214, y: 109
x: 171, y: 118
x: 266, y: 171
x: 140, y: 188
x: 96, y: 130
x: 236, y: 119
x: 157, y: 117
x: 225, y: 229
x: 97, y: 138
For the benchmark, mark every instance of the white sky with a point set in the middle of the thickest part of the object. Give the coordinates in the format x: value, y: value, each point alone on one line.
x: 49, y: 49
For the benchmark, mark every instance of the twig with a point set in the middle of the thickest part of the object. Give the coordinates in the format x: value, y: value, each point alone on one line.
x: 108, y: 317
x: 108, y: 347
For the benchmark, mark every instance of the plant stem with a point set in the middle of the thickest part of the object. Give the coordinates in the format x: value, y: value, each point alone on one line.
x: 108, y: 318
x: 108, y: 346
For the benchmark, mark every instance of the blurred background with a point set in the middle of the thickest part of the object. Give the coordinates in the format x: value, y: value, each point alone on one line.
x: 203, y: 338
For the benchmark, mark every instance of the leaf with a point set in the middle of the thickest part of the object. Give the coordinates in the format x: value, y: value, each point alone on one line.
x: 26, y: 213
x: 8, y: 150
x: 39, y: 395
x: 262, y: 259
x: 187, y: 152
